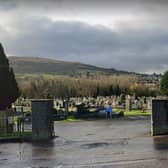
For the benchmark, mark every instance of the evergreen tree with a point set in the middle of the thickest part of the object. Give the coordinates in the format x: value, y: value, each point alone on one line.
x: 164, y: 84
x: 111, y: 90
x: 9, y: 90
x: 117, y: 90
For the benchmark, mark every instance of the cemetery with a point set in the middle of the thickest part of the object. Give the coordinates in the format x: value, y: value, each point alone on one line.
x: 83, y: 84
x: 89, y: 106
x: 118, y: 142
x: 32, y: 134
x: 85, y: 131
x: 24, y: 112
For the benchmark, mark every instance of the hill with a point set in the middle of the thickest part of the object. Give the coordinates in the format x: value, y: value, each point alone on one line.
x: 37, y: 65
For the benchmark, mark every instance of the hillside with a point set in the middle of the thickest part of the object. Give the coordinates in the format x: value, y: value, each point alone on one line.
x: 37, y: 65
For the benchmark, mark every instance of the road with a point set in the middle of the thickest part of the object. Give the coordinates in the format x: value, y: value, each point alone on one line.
x: 118, y: 143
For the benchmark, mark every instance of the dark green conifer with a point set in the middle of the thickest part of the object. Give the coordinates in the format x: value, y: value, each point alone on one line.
x: 9, y: 90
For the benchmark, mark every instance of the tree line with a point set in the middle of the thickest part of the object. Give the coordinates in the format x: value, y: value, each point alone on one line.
x: 46, y: 86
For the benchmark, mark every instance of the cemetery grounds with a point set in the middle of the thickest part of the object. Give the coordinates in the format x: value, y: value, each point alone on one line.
x: 119, y: 142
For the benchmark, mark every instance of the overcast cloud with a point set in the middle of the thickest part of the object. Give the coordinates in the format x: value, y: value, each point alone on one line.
x: 126, y: 35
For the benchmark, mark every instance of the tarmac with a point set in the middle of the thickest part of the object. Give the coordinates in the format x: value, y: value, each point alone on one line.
x: 118, y: 143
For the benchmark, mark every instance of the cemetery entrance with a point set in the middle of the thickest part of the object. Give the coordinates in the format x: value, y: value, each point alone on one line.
x: 37, y: 121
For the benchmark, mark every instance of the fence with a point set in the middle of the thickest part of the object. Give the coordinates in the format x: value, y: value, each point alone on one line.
x: 6, y: 121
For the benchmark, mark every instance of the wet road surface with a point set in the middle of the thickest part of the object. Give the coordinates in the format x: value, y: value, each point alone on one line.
x: 114, y: 143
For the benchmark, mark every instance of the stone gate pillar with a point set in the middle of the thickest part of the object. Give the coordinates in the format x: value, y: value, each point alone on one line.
x: 42, y: 119
x: 159, y: 118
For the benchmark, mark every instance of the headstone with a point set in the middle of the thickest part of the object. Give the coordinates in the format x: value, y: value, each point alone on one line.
x: 149, y: 103
x: 128, y: 103
x: 66, y: 106
x: 42, y: 120
x: 80, y: 108
x: 159, y: 118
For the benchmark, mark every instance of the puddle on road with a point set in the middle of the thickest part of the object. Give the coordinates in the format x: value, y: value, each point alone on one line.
x: 95, y: 145
x: 103, y: 144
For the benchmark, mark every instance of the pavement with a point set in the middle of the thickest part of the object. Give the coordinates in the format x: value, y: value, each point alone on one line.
x: 118, y: 143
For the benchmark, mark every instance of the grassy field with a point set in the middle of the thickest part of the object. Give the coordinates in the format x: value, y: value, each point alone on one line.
x: 136, y: 113
x: 126, y: 114
x: 16, y: 134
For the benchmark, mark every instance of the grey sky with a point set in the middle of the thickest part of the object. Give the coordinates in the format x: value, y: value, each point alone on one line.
x: 125, y: 34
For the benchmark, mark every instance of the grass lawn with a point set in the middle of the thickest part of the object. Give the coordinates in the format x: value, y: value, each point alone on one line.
x: 126, y: 114
x: 136, y: 113
x: 16, y: 134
